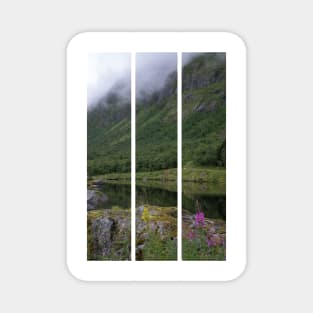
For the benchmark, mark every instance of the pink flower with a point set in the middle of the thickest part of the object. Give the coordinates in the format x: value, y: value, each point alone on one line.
x: 210, y: 243
x: 199, y: 218
x: 215, y: 241
x: 191, y: 235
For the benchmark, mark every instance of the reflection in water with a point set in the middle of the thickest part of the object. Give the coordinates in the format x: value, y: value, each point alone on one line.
x: 118, y: 195
x: 155, y: 196
x: 213, y: 206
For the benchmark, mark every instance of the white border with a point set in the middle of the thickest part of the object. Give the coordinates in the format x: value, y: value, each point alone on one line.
x: 77, y: 52
x: 133, y: 156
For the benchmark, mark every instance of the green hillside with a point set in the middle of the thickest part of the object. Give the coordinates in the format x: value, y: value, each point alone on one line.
x: 204, y: 111
x: 109, y: 139
x: 204, y: 122
x: 156, y: 130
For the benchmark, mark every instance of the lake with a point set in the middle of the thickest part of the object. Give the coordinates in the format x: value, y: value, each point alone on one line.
x: 213, y: 205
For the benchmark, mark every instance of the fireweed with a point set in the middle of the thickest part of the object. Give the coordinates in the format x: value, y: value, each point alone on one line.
x: 204, y: 243
x: 199, y: 217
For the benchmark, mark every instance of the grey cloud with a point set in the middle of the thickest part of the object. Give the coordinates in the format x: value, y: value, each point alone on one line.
x: 109, y: 73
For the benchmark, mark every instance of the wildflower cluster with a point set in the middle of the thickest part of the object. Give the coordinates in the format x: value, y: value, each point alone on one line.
x: 214, y: 241
x: 203, y: 239
x: 199, y: 219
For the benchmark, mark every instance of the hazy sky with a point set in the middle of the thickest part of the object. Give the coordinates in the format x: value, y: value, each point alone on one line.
x: 107, y: 70
x: 152, y: 69
x: 104, y: 71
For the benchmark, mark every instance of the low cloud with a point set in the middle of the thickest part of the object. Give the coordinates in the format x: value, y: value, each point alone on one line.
x: 107, y: 72
x: 110, y: 74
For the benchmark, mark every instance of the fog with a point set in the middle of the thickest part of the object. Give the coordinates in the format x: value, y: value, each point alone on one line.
x: 187, y: 57
x: 106, y: 72
x: 110, y: 73
x: 152, y: 70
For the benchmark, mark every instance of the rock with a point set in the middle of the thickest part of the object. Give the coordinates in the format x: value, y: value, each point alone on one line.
x: 155, y: 223
x: 200, y: 108
x: 101, y: 230
x: 195, y: 84
x: 189, y: 96
x: 212, y: 106
x: 109, y: 234
x: 140, y: 210
x: 206, y: 107
x: 98, y: 182
x: 159, y: 220
x: 139, y: 252
x: 90, y: 194
x: 91, y: 199
x: 95, y: 199
x: 140, y: 247
x: 204, y: 83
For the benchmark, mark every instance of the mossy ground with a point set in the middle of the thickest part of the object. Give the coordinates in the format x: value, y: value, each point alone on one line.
x: 156, y: 233
x: 157, y: 236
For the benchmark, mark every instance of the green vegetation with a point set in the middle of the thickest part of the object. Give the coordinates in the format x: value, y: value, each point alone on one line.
x: 203, y: 239
x: 203, y: 172
x: 156, y: 248
x: 213, y: 175
x: 204, y: 111
x: 195, y: 180
x: 156, y: 136
x: 109, y: 139
x: 156, y: 233
x: 197, y: 250
x: 203, y: 125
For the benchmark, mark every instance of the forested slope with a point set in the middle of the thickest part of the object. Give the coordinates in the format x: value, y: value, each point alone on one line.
x: 204, y: 123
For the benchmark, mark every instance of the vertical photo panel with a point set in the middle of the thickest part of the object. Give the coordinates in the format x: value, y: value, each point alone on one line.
x: 156, y: 156
x: 204, y: 156
x: 109, y: 157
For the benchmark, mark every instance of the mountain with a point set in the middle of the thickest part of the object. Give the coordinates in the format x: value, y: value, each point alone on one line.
x: 204, y: 111
x: 203, y: 125
x: 109, y: 136
x: 156, y: 128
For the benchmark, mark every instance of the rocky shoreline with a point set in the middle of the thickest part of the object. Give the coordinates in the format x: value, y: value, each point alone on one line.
x: 109, y: 233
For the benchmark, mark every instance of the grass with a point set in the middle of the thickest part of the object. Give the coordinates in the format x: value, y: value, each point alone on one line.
x: 156, y: 233
x: 157, y: 249
x: 197, y: 250
x: 190, y: 174
x: 196, y: 180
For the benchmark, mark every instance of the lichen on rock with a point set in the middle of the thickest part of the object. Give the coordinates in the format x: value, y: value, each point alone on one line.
x: 156, y: 233
x: 108, y: 233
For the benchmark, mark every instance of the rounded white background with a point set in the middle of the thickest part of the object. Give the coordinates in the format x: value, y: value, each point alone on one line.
x: 33, y: 273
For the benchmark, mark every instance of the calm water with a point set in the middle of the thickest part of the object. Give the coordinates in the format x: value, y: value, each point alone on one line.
x: 214, y: 206
x: 118, y: 195
x: 155, y: 196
